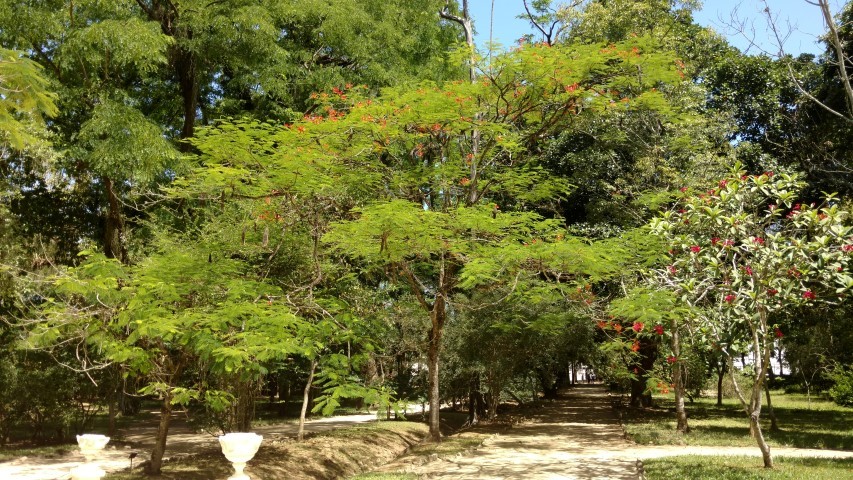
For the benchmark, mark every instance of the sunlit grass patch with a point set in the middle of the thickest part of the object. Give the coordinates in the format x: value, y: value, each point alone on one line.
x: 747, y: 468
x: 823, y: 425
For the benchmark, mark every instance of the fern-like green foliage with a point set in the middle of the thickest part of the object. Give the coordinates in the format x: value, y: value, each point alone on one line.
x: 649, y: 306
x: 24, y: 99
x: 176, y: 307
x: 112, y: 47
x: 121, y: 143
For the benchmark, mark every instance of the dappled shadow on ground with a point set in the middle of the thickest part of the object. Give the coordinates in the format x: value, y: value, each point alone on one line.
x: 570, y: 437
x: 577, y: 436
x: 728, y: 424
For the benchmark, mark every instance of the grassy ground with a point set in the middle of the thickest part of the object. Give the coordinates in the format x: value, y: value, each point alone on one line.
x: 458, y: 443
x: 53, y: 451
x: 385, y: 476
x: 747, y: 468
x: 334, y: 454
x: 819, y: 425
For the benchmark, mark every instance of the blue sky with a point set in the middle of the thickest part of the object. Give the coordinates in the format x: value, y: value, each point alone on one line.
x: 804, y: 19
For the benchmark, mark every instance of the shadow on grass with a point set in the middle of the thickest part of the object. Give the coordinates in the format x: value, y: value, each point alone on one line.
x: 747, y: 468
x: 829, y: 427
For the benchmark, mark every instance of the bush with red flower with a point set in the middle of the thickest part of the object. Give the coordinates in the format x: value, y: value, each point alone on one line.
x: 775, y: 256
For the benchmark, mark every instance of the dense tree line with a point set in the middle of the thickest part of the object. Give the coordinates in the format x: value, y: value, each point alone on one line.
x: 327, y: 202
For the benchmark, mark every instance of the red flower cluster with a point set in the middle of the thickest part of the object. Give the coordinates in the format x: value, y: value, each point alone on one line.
x: 809, y: 295
x: 671, y: 359
x: 695, y: 248
x: 659, y: 329
x: 847, y: 248
x: 778, y: 333
x: 637, y: 326
x: 730, y: 298
x: 794, y: 210
x: 758, y: 241
x: 748, y: 270
x: 671, y: 269
x: 337, y: 91
x: 771, y: 292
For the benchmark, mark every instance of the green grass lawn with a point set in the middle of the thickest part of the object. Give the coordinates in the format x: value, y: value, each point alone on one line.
x: 747, y: 468
x: 824, y: 425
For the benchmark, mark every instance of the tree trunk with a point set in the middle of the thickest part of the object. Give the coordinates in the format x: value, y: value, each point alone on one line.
x: 473, y: 391
x: 755, y: 427
x: 639, y: 396
x: 284, y: 394
x: 680, y: 411
x: 432, y: 371
x: 753, y: 410
x: 774, y: 426
x: 305, y: 399
x: 112, y: 409
x: 473, y: 417
x: 547, y: 384
x: 113, y: 225
x: 779, y: 356
x: 185, y: 67
x: 494, y: 395
x: 162, y: 433
x: 721, y: 372
x: 244, y: 407
x: 678, y: 380
x: 761, y: 350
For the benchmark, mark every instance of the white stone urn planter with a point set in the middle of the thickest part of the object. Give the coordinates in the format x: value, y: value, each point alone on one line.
x: 90, y: 446
x: 239, y: 448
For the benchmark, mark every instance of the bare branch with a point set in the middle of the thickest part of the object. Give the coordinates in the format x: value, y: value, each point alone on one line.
x: 835, y: 41
x: 547, y: 35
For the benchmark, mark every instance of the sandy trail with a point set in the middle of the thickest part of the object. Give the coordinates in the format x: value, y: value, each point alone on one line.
x: 575, y: 437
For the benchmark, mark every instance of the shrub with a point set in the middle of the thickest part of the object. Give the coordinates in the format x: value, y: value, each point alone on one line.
x: 842, y: 391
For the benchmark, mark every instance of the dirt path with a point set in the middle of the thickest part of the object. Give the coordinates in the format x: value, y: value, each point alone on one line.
x: 139, y: 439
x: 575, y: 437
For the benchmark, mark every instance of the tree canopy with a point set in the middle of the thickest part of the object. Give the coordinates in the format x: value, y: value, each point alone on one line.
x: 209, y: 203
